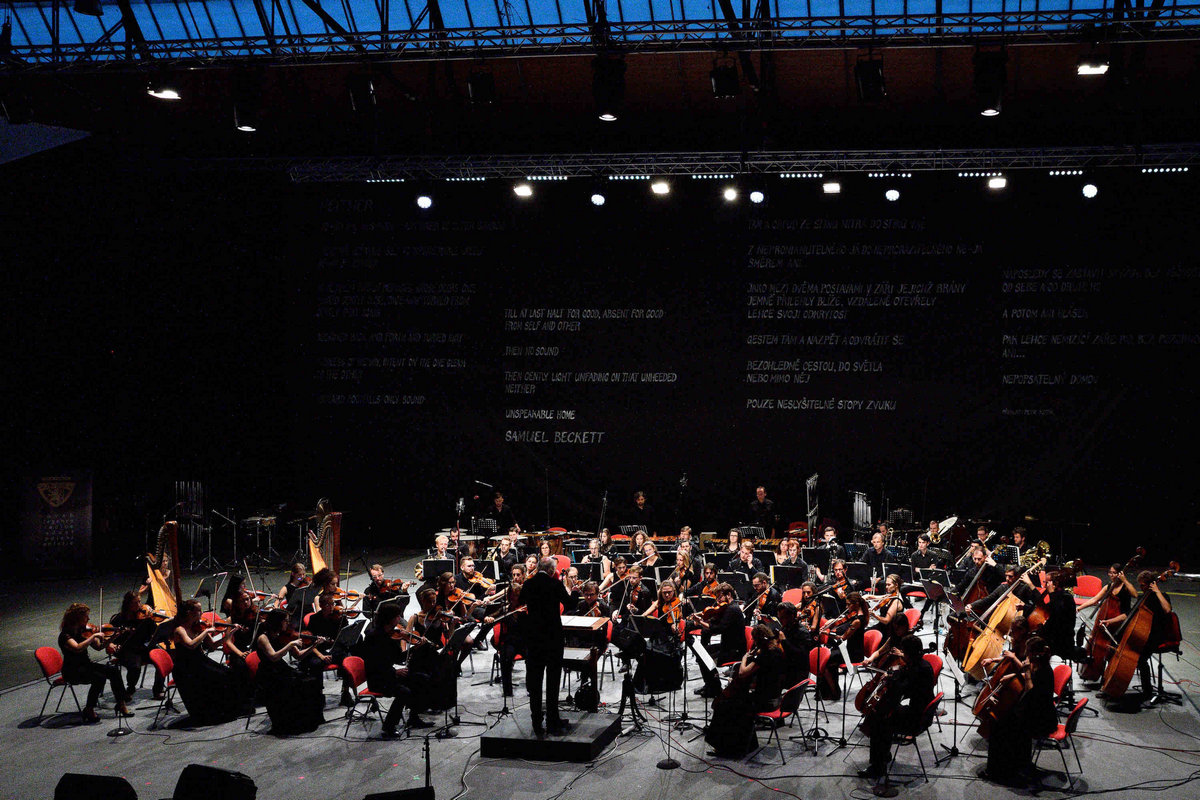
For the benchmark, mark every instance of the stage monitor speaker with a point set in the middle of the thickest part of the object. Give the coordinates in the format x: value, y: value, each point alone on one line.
x: 75, y: 786
x: 424, y: 793
x: 198, y: 782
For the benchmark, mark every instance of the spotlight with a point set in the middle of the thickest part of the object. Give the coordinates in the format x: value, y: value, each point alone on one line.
x: 523, y: 190
x: 1092, y: 64
x: 757, y: 197
x: 997, y: 183
x: 1090, y: 190
x: 730, y: 194
x: 162, y: 88
x: 90, y: 7
x: 831, y: 187
x: 892, y: 195
x: 244, y: 119
x: 424, y: 201
x: 990, y: 73
x: 868, y: 79
x: 6, y: 38
x: 724, y: 79
x: 660, y: 187
x: 362, y: 93
x: 608, y: 87
x: 481, y: 87
x: 597, y: 199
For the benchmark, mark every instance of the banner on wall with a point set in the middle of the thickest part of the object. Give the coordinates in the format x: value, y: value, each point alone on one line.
x: 56, y: 523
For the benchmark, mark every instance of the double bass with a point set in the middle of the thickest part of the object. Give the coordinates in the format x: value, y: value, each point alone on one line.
x: 989, y: 642
x: 1131, y: 642
x: 1099, y: 646
x: 961, y: 632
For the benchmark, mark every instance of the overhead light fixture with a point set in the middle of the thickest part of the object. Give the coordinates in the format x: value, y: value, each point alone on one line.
x: 608, y: 87
x: 990, y: 75
x: 892, y: 195
x: 724, y: 77
x: 523, y: 190
x: 245, y: 119
x: 1090, y: 190
x: 730, y: 194
x: 424, y: 201
x: 1091, y: 64
x: 831, y: 187
x: 90, y: 7
x: 660, y: 187
x: 997, y: 183
x: 481, y: 87
x: 163, y: 88
x: 868, y: 80
x: 757, y: 197
x: 362, y: 93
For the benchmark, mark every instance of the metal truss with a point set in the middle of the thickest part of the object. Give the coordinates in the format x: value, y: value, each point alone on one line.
x: 1176, y: 22
x: 351, y: 169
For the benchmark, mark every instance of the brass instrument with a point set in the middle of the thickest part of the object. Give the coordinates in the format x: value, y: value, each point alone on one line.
x: 1040, y: 551
x: 419, y: 572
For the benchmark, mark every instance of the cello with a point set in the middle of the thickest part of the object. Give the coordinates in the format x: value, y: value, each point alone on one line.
x: 1132, y: 641
x: 1099, y: 645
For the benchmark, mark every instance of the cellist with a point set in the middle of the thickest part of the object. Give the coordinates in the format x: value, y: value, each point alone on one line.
x: 1010, y: 745
x: 1058, y: 629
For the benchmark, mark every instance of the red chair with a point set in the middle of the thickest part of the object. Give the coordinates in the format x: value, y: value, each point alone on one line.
x: 1060, y: 737
x: 871, y: 641
x: 1062, y: 684
x: 749, y: 632
x: 1087, y: 586
x: 793, y: 596
x: 902, y: 739
x: 357, y: 670
x: 914, y: 618
x: 50, y: 660
x: 252, y: 662
x: 818, y: 659
x: 564, y: 563
x: 935, y: 661
x: 164, y: 665
x: 785, y: 713
x: 496, y: 656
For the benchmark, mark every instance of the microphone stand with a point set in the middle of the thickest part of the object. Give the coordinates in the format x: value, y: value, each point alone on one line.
x: 603, y: 510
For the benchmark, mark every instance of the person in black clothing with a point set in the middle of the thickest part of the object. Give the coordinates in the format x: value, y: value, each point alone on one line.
x: 1023, y: 593
x: 1010, y: 745
x: 130, y: 645
x: 328, y: 623
x: 768, y: 596
x: 912, y: 681
x: 851, y: 627
x: 745, y: 562
x: 756, y: 686
x: 1160, y: 628
x: 1059, y: 628
x: 796, y: 640
x: 211, y: 692
x: 542, y: 595
x: 983, y: 565
x: 762, y: 512
x: 642, y: 514
x: 875, y: 558
x: 922, y: 557
x: 376, y: 591
x: 74, y: 641
x: 294, y: 701
x: 380, y: 654
x: 507, y: 556
x: 509, y: 637
x: 729, y: 623
x: 500, y: 511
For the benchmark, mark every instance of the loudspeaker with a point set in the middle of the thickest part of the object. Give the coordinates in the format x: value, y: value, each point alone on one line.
x: 198, y: 782
x: 424, y: 793
x: 75, y: 786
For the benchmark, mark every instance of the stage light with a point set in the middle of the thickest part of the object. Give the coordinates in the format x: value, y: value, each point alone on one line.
x: 481, y: 87
x: 730, y: 194
x: 660, y: 187
x: 523, y: 190
x: 1092, y: 64
x: 424, y: 201
x: 245, y: 119
x: 362, y: 93
x: 990, y: 73
x: 597, y: 199
x: 724, y: 79
x: 6, y: 38
x: 608, y: 87
x: 162, y: 88
x: 868, y: 80
x: 831, y: 187
x: 90, y: 7
x: 997, y: 183
x: 1090, y: 190
x: 892, y: 195
x: 757, y: 197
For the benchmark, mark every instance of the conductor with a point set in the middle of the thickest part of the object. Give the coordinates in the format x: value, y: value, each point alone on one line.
x: 543, y: 595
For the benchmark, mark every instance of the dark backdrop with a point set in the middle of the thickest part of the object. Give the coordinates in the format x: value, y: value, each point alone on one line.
x: 960, y: 352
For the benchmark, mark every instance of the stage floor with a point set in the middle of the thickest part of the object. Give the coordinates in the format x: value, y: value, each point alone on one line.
x: 1124, y: 752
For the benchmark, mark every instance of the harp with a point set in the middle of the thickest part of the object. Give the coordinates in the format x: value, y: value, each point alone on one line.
x: 162, y: 570
x: 325, y: 546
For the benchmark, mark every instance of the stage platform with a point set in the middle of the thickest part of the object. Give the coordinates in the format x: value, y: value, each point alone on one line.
x: 1126, y: 752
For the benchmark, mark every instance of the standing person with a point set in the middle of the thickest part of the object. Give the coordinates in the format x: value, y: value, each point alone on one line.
x: 543, y: 596
x: 74, y: 639
x: 762, y: 512
x: 506, y: 519
x: 642, y: 514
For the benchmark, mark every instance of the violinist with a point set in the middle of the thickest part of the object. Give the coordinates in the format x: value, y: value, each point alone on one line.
x: 809, y: 609
x: 838, y: 584
x: 298, y: 579
x: 294, y: 701
x: 472, y: 581
x: 876, y: 559
x: 889, y: 606
x: 912, y: 681
x: 1010, y: 745
x: 235, y: 587
x: 727, y: 621
x: 428, y: 621
x: 668, y: 606
x: 74, y: 639
x: 614, y: 585
x: 796, y: 639
x: 531, y: 562
x: 849, y: 627
x: 130, y: 646
x: 707, y: 587
x: 381, y: 652
x: 211, y: 692
x: 594, y: 556
x: 746, y: 562
x: 574, y: 587
x: 327, y: 624
x: 635, y: 599
x: 767, y: 597
x: 1058, y: 630
x: 380, y: 590
x: 684, y: 574
x: 452, y: 599
x: 756, y: 686
x: 509, y: 637
x: 238, y: 641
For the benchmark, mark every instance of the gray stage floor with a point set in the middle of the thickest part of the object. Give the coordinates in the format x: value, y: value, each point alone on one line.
x: 1124, y: 753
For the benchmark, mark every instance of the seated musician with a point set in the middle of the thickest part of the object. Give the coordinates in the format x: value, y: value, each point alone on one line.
x: 694, y: 546
x: 472, y: 581
x: 378, y: 591
x: 614, y: 585
x: 635, y: 544
x: 746, y: 562
x: 684, y: 574
x: 509, y: 637
x: 544, y: 550
x: 849, y: 627
x: 707, y: 585
x: 809, y: 609
x: 294, y: 701
x: 893, y: 633
x: 298, y: 579
x: 913, y: 682
x: 889, y: 606
x: 130, y: 645
x: 1020, y: 541
x: 507, y: 556
x: 74, y: 639
x: 755, y: 686
x: 590, y: 602
x: 1010, y: 745
x: 594, y: 556
x: 669, y: 606
x: 381, y: 653
x: 1059, y: 628
x: 729, y: 623
x: 328, y: 623
x: 650, y: 558
x: 838, y: 584
x: 985, y: 567
x: 792, y: 557
x: 875, y: 558
x: 211, y: 692
x: 922, y: 558
x: 735, y: 541
x: 767, y: 598
x: 829, y: 542
x: 1022, y: 592
x: 1118, y: 586
x: 573, y: 585
x: 1159, y: 604
x: 441, y: 548
x: 632, y: 598
x: 531, y: 564
x: 796, y: 639
x: 238, y: 642
x: 606, y: 542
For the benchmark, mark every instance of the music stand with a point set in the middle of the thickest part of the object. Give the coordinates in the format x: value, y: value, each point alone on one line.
x: 488, y: 569
x: 485, y: 527
x: 662, y: 573
x: 589, y: 572
x: 630, y: 530
x: 751, y: 532
x: 905, y: 571
x: 721, y: 560
x: 454, y: 645
x: 431, y: 568
x: 577, y: 556
x: 765, y: 557
x: 860, y: 573
x: 934, y: 593
x: 702, y: 601
x: 816, y: 555
x: 705, y: 660
x: 738, y: 581
x: 790, y: 577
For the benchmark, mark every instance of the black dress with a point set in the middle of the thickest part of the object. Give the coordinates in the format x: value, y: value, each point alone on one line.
x: 1010, y: 748
x: 210, y: 691
x: 295, y: 702
x: 78, y: 668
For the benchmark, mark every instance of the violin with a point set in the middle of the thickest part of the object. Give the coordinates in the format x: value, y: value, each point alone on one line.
x: 457, y: 596
x: 710, y: 613
x: 289, y: 635
x: 394, y: 585
x: 403, y: 634
x: 479, y: 580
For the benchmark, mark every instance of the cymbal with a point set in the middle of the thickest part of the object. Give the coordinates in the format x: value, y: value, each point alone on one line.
x: 463, y: 538
x: 260, y: 520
